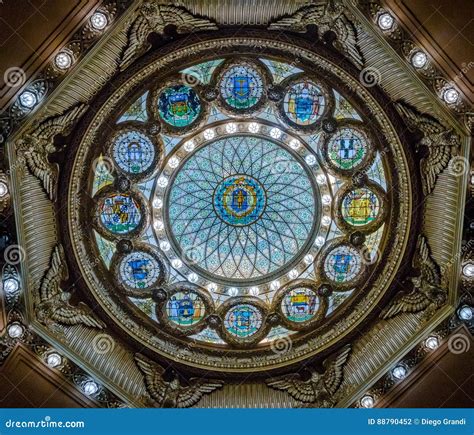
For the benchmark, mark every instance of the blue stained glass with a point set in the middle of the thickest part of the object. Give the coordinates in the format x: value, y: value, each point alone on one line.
x: 300, y: 305
x: 139, y: 270
x: 342, y: 264
x: 241, y: 87
x: 185, y: 308
x: 137, y: 111
x: 120, y: 213
x: 245, y: 203
x: 304, y: 103
x: 243, y: 320
x: 133, y: 151
x: 179, y: 105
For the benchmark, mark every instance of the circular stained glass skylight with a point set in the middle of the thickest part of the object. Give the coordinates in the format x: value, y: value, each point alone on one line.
x: 243, y: 320
x: 304, y: 103
x: 342, y: 264
x: 245, y: 206
x: 300, y: 305
x: 185, y: 308
x: 119, y: 213
x: 241, y: 87
x: 133, y: 152
x: 140, y: 270
x: 179, y: 106
x: 360, y: 207
x: 347, y: 149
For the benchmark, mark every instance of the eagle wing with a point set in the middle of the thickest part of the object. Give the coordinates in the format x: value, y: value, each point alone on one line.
x: 298, y: 21
x: 74, y: 315
x: 425, y: 263
x: 293, y: 385
x: 427, y: 124
x: 57, y: 272
x: 60, y: 124
x: 154, y: 382
x: 45, y: 171
x: 190, y: 395
x: 431, y: 166
x: 137, y: 41
x: 406, y: 303
x: 347, y: 39
x: 333, y: 375
x: 184, y: 21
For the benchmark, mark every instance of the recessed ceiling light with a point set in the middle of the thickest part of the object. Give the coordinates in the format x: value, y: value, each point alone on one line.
x: 11, y: 285
x: 399, y: 372
x: 15, y: 330
x: 367, y: 401
x: 63, y: 60
x: 54, y: 360
x: 90, y: 388
x: 432, y: 343
x: 28, y: 99
x: 419, y: 59
x: 99, y: 21
x: 465, y: 312
x: 450, y: 95
x: 3, y: 189
x: 468, y: 270
x: 386, y: 21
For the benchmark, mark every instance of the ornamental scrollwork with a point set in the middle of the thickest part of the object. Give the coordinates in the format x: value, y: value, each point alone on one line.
x: 34, y: 148
x: 330, y: 17
x: 320, y: 390
x: 426, y: 294
x: 154, y: 18
x: 172, y: 393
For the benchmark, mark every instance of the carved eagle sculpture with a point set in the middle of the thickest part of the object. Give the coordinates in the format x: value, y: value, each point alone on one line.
x: 326, y: 17
x: 35, y: 148
x: 154, y: 18
x: 320, y: 389
x: 426, y: 293
x: 54, y: 303
x: 172, y: 394
x: 440, y: 142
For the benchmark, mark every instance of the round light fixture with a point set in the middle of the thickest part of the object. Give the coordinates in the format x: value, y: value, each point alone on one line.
x: 465, y: 312
x: 385, y: 21
x: 54, y: 360
x: 99, y: 21
x: 28, y: 99
x: 15, y: 330
x: 432, y: 343
x: 367, y: 401
x: 468, y: 270
x: 63, y: 60
x: 419, y: 59
x: 450, y: 95
x: 399, y: 372
x: 90, y: 388
x: 3, y: 189
x: 11, y: 285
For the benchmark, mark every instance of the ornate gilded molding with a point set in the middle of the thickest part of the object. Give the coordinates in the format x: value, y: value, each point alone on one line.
x: 34, y: 148
x: 54, y: 304
x: 427, y: 294
x: 327, y: 17
x: 320, y: 390
x: 172, y: 393
x: 441, y: 142
x: 155, y: 17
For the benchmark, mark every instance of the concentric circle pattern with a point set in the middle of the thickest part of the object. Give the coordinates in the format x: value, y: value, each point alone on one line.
x: 248, y: 218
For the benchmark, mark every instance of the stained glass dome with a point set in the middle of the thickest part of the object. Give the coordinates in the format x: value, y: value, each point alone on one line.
x: 243, y: 217
x: 253, y: 212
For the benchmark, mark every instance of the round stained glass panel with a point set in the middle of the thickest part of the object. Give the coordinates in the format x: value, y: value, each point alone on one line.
x: 304, y: 103
x: 133, y: 152
x: 360, y: 207
x: 347, y: 149
x: 243, y: 320
x: 242, y: 216
x: 140, y: 270
x: 120, y: 213
x: 185, y: 308
x: 179, y: 106
x: 241, y: 87
x: 300, y: 305
x: 342, y: 264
